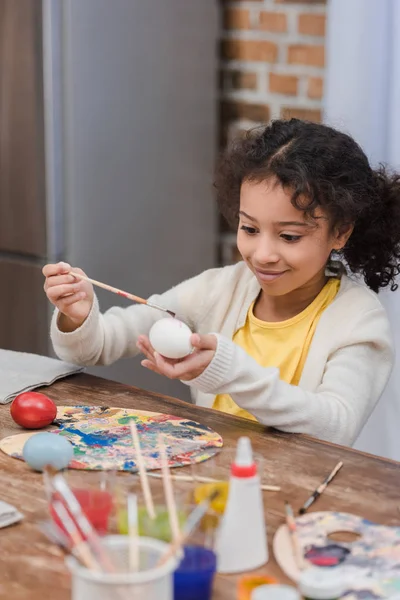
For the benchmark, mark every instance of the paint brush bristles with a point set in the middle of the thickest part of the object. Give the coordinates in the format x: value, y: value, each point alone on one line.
x: 320, y: 489
x: 148, y: 499
x: 291, y: 525
x: 168, y: 491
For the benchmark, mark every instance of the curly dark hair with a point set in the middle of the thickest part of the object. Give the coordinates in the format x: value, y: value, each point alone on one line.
x: 327, y: 168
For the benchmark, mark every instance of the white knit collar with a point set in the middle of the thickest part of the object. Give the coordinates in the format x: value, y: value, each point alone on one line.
x: 253, y: 289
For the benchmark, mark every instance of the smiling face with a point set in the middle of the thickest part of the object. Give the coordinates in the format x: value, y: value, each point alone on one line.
x: 285, y: 250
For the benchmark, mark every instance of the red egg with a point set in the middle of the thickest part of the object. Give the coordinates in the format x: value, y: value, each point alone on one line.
x: 33, y: 410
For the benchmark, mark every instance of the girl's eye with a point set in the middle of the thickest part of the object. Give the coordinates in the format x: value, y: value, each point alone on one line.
x: 249, y: 230
x: 290, y: 238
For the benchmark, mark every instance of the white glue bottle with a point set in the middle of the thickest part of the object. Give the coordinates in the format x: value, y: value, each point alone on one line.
x: 241, y: 543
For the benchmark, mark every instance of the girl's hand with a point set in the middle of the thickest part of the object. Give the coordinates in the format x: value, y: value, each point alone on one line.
x: 72, y: 296
x: 186, y: 368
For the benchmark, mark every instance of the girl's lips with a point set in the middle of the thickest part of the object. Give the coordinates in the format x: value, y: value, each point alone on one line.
x: 269, y: 275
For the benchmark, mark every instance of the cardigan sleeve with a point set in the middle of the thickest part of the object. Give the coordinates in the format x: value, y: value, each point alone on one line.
x: 104, y: 338
x: 354, y: 378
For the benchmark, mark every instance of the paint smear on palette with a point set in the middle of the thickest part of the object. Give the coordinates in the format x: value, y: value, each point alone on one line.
x: 330, y: 555
x: 102, y: 439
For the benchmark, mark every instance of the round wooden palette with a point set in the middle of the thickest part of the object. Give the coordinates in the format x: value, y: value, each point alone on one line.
x: 370, y: 562
x: 102, y: 440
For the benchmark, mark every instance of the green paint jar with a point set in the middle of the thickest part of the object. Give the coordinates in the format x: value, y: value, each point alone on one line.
x: 158, y: 528
x: 322, y: 583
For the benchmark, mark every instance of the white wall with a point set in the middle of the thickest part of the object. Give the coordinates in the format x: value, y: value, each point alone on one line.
x: 363, y: 98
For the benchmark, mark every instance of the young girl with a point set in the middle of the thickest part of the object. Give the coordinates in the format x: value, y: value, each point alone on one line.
x: 285, y: 337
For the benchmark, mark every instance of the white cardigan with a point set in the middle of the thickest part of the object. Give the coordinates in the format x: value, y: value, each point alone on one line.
x: 346, y: 371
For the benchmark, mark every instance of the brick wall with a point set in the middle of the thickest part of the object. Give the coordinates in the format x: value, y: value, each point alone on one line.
x: 272, y: 66
x: 272, y: 60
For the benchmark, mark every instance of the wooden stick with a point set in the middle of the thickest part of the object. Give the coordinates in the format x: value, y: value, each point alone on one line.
x: 320, y: 489
x: 142, y: 471
x: 115, y: 290
x: 48, y: 473
x: 133, y: 532
x: 192, y: 522
x: 291, y: 525
x: 81, y: 548
x: 119, y: 501
x: 201, y: 479
x: 168, y: 490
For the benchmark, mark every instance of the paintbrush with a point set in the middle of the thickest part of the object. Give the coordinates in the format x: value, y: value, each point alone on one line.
x: 133, y: 532
x: 77, y: 524
x: 80, y: 547
x: 54, y: 533
x: 168, y: 491
x: 132, y: 297
x: 191, y: 524
x: 48, y: 472
x: 291, y: 525
x: 320, y: 489
x: 60, y: 485
x: 142, y: 471
x: 201, y: 479
x: 57, y: 537
x: 119, y: 503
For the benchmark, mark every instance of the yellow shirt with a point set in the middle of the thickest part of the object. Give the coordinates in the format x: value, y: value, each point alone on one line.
x: 284, y: 345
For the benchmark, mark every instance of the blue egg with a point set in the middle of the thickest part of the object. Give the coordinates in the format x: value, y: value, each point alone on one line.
x: 47, y: 448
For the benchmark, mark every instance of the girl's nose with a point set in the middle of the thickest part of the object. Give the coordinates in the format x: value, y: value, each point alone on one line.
x: 265, y: 252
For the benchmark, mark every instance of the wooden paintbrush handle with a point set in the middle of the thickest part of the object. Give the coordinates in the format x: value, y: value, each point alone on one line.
x: 144, y: 481
x: 83, y: 553
x: 201, y: 479
x: 110, y: 288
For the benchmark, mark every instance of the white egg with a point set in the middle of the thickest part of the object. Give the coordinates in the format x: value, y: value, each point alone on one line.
x: 171, y: 338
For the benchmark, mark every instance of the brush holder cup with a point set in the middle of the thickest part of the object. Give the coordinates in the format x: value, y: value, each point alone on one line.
x: 148, y: 582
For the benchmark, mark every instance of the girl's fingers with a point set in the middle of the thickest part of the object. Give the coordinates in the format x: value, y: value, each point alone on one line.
x: 56, y: 269
x: 77, y: 270
x: 57, y: 292
x: 58, y: 280
x: 180, y: 369
x: 204, y: 342
x: 186, y: 368
x: 151, y: 366
x: 144, y: 351
x: 145, y: 345
x: 72, y: 299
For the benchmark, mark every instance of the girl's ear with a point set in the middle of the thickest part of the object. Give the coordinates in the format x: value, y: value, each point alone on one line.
x: 341, y: 236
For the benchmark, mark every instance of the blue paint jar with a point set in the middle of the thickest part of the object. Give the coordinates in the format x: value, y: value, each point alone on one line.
x: 194, y: 576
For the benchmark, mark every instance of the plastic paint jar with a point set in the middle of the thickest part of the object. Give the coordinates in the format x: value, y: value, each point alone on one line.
x: 249, y: 583
x: 203, y: 491
x: 275, y: 592
x: 97, y: 506
x: 322, y: 583
x: 193, y: 578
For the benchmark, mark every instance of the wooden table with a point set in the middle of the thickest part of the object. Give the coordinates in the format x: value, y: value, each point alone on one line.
x: 32, y: 568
